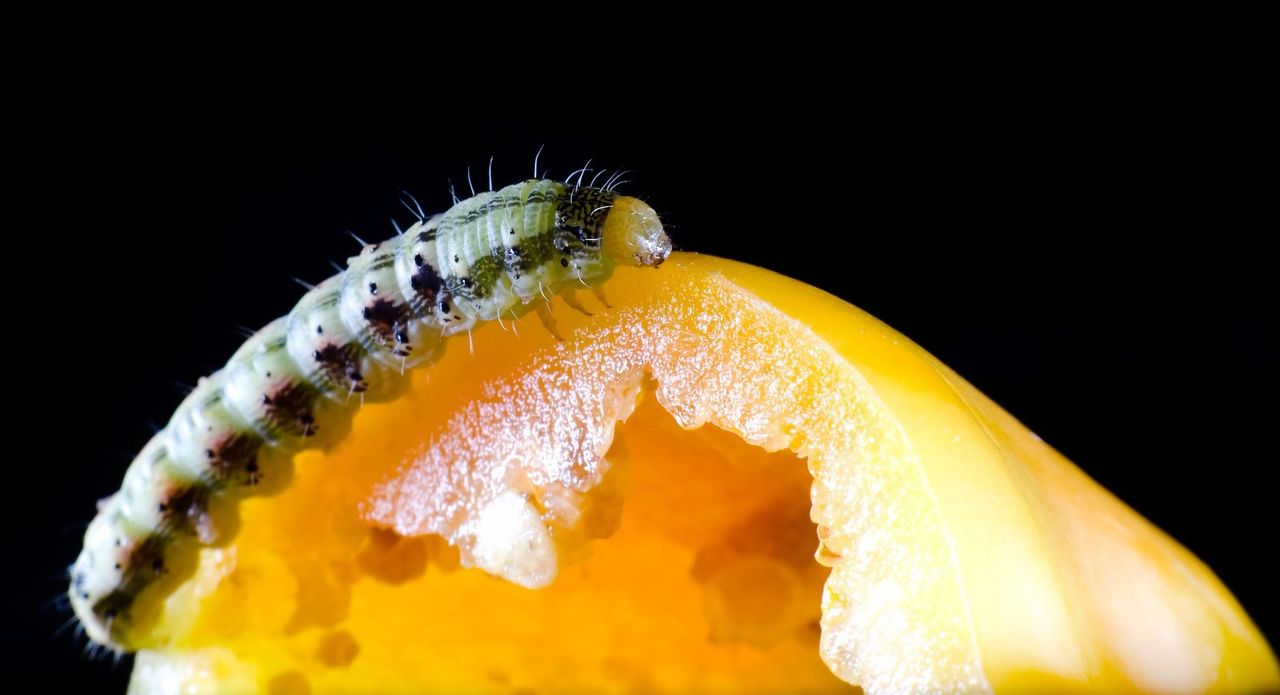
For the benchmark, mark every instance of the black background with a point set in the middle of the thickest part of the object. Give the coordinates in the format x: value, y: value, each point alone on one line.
x: 1085, y: 252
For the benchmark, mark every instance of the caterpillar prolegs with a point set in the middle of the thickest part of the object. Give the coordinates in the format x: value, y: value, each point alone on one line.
x: 291, y: 386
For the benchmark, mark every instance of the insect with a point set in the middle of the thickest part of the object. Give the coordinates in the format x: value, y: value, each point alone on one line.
x: 291, y: 386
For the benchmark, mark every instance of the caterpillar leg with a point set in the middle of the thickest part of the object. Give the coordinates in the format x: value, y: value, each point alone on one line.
x: 548, y: 320
x: 571, y: 298
x: 598, y: 291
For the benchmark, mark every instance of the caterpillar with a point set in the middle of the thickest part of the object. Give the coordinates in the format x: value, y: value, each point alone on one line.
x: 290, y: 387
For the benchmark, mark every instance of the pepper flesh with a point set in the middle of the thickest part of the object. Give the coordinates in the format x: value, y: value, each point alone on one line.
x: 959, y: 552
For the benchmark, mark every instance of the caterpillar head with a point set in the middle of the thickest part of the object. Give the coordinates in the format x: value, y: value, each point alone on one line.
x: 633, y: 234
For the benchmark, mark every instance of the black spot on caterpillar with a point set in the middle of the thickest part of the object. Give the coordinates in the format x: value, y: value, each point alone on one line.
x: 290, y: 386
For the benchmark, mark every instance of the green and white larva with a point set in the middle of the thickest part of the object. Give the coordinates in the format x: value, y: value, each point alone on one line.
x: 290, y: 386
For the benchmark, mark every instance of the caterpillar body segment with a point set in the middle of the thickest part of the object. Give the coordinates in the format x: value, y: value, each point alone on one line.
x: 296, y: 383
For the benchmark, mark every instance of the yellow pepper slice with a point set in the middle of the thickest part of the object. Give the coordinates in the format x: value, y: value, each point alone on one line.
x: 498, y: 530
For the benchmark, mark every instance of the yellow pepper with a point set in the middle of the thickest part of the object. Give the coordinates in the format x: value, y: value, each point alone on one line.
x: 798, y: 499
